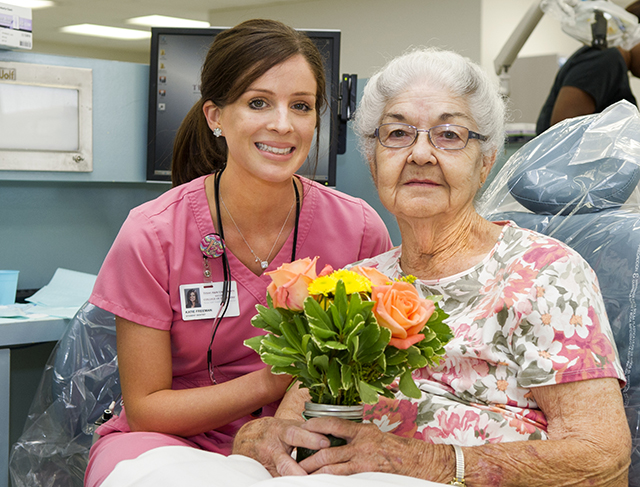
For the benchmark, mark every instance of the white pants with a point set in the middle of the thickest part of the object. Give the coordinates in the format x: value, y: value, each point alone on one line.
x: 171, y: 466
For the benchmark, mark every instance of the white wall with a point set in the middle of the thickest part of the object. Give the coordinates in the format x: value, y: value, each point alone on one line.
x: 373, y: 31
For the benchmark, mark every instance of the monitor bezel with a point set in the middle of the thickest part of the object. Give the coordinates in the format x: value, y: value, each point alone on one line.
x: 333, y: 83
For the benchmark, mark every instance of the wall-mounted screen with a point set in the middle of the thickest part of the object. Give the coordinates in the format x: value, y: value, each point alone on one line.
x: 177, y: 55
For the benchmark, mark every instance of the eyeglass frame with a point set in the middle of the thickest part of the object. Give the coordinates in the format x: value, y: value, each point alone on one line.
x: 472, y: 135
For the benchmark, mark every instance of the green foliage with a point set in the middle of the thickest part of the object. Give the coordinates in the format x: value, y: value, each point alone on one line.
x: 338, y: 351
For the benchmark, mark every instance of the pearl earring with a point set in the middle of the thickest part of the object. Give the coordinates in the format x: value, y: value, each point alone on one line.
x: 217, y: 131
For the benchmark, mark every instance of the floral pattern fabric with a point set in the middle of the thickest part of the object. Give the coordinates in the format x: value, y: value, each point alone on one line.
x: 529, y: 315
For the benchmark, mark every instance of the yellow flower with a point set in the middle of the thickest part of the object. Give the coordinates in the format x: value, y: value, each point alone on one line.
x: 353, y: 283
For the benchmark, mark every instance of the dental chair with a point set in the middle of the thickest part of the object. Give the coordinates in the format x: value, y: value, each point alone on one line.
x: 79, y: 382
x: 578, y: 182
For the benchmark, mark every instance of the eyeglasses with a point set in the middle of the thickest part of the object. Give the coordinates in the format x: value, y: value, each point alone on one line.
x: 445, y: 137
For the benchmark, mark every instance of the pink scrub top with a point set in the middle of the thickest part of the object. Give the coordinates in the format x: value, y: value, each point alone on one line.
x: 158, y: 249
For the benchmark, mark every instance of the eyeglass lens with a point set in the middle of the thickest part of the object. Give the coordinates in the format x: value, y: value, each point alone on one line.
x: 446, y: 137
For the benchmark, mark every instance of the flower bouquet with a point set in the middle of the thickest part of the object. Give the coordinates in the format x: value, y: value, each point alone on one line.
x: 347, y: 335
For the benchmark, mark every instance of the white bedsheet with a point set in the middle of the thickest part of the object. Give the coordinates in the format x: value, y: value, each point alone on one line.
x: 172, y: 466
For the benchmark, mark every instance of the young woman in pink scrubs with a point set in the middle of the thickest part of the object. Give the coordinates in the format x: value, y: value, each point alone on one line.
x: 187, y: 378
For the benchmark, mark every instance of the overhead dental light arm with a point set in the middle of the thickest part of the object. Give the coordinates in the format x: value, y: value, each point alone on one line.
x: 510, y: 50
x: 512, y: 47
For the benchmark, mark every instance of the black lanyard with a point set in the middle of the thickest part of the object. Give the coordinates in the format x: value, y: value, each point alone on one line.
x: 226, y: 271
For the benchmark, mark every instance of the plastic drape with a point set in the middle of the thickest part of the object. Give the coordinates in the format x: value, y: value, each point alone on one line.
x: 578, y: 182
x: 79, y: 382
x: 576, y: 17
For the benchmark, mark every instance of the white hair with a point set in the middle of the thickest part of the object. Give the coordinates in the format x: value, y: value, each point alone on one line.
x: 444, y: 69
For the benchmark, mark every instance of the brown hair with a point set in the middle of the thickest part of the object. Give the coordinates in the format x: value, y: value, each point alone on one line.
x: 634, y: 8
x: 237, y: 57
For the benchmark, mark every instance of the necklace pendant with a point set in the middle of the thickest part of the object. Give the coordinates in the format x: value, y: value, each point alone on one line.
x: 264, y: 264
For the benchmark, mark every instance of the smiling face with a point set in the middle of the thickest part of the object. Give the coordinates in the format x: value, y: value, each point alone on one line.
x: 421, y: 181
x: 269, y: 129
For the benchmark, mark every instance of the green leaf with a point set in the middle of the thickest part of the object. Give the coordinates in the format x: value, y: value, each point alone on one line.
x: 340, y: 300
x: 291, y: 370
x: 321, y: 361
x: 395, y: 356
x: 346, y: 374
x: 302, y: 326
x: 254, y: 343
x: 321, y: 333
x: 276, y: 360
x: 408, y: 386
x: 359, y: 323
x: 334, y: 381
x: 311, y: 368
x: 316, y: 315
x: 333, y: 345
x: 290, y: 333
x: 415, y: 358
x: 367, y: 393
x: 278, y: 347
x: 272, y: 317
x: 305, y: 342
x: 353, y: 344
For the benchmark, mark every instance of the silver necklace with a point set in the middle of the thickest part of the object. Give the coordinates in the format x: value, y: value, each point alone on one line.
x: 263, y: 263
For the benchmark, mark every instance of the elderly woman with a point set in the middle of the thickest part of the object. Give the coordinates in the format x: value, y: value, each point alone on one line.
x: 529, y: 390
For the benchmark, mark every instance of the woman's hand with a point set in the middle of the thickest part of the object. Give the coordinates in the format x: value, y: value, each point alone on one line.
x: 370, y: 450
x: 270, y: 441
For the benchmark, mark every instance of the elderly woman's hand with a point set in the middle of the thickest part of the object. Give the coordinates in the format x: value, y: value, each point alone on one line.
x: 370, y: 450
x: 270, y: 441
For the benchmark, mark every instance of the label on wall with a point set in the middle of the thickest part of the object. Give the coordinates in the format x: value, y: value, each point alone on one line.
x: 15, y: 27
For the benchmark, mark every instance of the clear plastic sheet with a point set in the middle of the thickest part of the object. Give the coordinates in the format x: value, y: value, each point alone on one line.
x: 79, y: 382
x: 576, y: 17
x: 578, y: 182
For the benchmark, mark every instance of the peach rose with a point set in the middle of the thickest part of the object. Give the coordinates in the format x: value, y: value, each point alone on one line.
x: 288, y: 288
x: 376, y: 277
x: 400, y: 308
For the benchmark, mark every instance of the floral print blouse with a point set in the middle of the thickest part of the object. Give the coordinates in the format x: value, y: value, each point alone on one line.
x: 530, y: 314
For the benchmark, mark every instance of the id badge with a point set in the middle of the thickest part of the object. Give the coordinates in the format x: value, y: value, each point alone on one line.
x: 202, y: 301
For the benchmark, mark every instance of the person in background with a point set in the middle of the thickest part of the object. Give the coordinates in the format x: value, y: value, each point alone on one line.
x: 591, y: 80
x: 237, y: 211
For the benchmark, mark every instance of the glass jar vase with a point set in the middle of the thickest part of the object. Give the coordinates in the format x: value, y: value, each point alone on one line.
x: 313, y: 410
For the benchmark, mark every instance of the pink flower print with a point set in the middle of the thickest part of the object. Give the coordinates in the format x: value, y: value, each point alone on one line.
x: 397, y: 416
x: 543, y: 255
x: 505, y: 289
x: 588, y: 357
x: 470, y: 428
x: 465, y: 373
x: 522, y: 427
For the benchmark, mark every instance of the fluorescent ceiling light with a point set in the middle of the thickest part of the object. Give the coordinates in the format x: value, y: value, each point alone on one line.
x: 104, y: 31
x: 163, y: 21
x: 33, y: 4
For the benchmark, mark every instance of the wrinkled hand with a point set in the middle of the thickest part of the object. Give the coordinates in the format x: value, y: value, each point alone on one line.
x: 270, y: 441
x: 370, y: 450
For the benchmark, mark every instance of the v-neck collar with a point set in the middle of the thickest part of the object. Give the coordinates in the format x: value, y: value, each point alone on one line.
x: 239, y: 272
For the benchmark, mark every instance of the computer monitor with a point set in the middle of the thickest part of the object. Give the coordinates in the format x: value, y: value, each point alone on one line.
x: 177, y: 55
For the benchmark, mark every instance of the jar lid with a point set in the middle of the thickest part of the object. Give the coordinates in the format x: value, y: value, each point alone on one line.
x: 347, y: 412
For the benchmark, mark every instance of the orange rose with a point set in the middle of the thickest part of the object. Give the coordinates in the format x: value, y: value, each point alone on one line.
x: 288, y: 288
x: 400, y: 308
x: 376, y: 277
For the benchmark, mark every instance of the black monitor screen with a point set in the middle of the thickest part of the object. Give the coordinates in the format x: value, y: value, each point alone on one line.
x: 177, y: 55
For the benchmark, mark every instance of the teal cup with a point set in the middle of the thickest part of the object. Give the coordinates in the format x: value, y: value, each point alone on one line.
x: 8, y: 286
